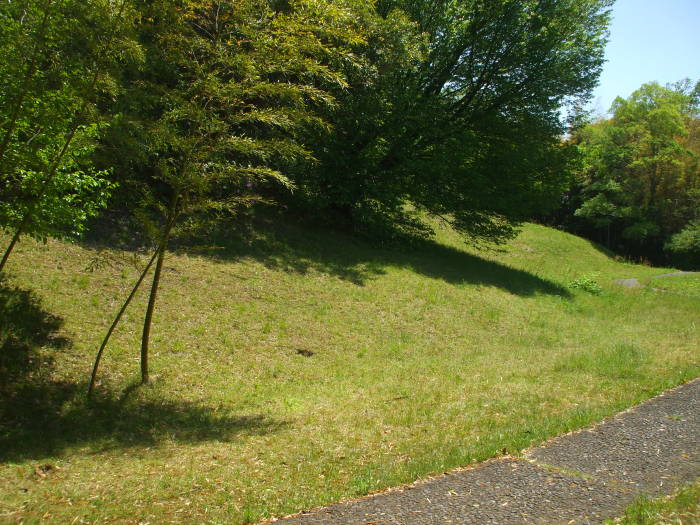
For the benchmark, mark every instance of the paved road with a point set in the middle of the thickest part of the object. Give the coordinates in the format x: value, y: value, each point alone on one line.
x: 580, y: 478
x: 634, y: 283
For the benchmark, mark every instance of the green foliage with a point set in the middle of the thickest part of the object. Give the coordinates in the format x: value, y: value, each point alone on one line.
x: 587, y: 283
x: 71, y: 198
x: 61, y: 206
x: 59, y: 76
x: 226, y: 92
x: 376, y: 113
x: 454, y: 112
x: 684, y: 247
x: 639, y: 182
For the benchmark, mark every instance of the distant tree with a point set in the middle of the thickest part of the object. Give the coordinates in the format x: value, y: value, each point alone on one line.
x: 640, y: 182
x: 684, y: 247
x: 218, y: 109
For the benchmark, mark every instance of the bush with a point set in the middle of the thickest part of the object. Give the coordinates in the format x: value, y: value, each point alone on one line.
x: 684, y: 247
x: 587, y: 283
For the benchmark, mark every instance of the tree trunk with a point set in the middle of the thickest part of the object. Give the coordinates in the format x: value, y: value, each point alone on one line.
x: 145, y: 337
x: 98, y: 357
x: 159, y: 253
x: 8, y: 251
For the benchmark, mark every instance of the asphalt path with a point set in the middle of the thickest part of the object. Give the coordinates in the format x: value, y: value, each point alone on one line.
x: 634, y: 283
x: 580, y: 478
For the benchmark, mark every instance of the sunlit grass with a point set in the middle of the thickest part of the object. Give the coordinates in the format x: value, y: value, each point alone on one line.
x: 688, y: 284
x: 304, y: 367
x: 681, y: 508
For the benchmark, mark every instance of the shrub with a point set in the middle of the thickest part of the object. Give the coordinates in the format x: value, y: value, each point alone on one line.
x: 587, y: 283
x: 684, y: 247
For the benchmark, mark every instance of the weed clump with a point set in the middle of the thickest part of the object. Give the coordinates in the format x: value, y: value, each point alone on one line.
x: 587, y: 283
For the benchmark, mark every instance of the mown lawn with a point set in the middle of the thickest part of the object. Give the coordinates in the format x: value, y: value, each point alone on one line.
x: 301, y: 368
x: 680, y: 508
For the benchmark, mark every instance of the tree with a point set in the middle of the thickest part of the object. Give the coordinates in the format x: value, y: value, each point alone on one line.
x: 684, y: 246
x: 465, y: 123
x: 218, y: 109
x: 640, y: 180
x: 62, y: 57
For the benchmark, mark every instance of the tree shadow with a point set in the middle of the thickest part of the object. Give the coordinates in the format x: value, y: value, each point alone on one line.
x: 288, y: 248
x: 601, y: 248
x: 28, y: 338
x: 41, y: 416
x: 48, y: 419
x: 286, y: 242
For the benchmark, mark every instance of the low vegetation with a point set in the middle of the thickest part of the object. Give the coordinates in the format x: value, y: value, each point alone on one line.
x: 298, y: 368
x: 681, y: 508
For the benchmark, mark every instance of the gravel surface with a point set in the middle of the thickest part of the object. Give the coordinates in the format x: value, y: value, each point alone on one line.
x: 628, y: 283
x: 651, y: 446
x: 634, y: 283
x: 501, y: 491
x: 581, y: 478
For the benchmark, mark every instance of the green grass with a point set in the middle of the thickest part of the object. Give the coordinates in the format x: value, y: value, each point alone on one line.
x: 299, y: 368
x: 688, y: 284
x: 681, y: 508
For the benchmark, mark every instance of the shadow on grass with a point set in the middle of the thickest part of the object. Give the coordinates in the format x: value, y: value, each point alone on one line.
x: 25, y: 329
x: 296, y: 250
x: 40, y: 416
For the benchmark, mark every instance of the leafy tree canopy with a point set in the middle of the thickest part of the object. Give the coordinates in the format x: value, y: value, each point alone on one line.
x: 463, y: 121
x: 61, y: 57
x: 640, y: 182
x: 218, y: 108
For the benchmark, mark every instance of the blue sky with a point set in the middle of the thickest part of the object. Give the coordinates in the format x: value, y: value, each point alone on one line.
x: 649, y: 40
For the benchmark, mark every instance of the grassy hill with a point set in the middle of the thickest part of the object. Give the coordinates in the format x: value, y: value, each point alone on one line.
x: 301, y: 368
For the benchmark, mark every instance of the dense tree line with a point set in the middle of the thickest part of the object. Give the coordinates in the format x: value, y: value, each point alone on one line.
x: 637, y: 190
x: 366, y: 114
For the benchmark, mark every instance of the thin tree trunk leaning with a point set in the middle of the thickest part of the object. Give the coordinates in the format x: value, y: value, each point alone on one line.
x: 7, y: 253
x: 149, y: 314
x: 158, y: 253
x: 118, y: 317
x: 145, y: 336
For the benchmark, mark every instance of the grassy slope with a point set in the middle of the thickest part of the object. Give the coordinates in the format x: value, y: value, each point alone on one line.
x: 423, y: 360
